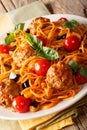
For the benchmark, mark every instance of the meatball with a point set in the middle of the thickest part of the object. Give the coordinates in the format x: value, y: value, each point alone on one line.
x: 34, y: 24
x: 8, y: 90
x: 59, y: 76
x: 21, y: 54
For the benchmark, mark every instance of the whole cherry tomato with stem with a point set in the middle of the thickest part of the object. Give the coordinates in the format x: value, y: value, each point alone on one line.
x: 21, y: 104
x: 72, y: 43
x: 42, y: 66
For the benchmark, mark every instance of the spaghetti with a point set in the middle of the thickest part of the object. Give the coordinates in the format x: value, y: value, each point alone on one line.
x: 59, y: 82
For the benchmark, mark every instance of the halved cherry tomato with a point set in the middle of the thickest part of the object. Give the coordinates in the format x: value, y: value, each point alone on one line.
x: 42, y: 66
x: 21, y: 104
x: 43, y: 40
x: 63, y: 19
x: 80, y: 79
x: 4, y: 49
x: 72, y: 43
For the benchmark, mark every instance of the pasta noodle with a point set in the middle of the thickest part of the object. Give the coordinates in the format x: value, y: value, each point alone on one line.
x: 22, y: 58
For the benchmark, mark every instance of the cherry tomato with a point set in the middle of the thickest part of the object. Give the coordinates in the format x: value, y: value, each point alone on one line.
x: 63, y: 19
x: 4, y: 49
x: 42, y: 66
x: 21, y: 104
x: 72, y: 43
x: 80, y: 79
x: 43, y: 40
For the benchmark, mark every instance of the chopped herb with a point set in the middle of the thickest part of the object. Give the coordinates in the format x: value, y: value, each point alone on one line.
x: 83, y: 71
x: 74, y: 65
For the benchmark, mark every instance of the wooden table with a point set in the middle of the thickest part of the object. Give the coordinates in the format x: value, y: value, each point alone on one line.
x: 78, y: 7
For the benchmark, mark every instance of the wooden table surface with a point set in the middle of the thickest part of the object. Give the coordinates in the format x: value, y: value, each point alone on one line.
x: 78, y: 7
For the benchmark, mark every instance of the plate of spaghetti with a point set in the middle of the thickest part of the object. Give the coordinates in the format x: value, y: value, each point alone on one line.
x: 43, y: 66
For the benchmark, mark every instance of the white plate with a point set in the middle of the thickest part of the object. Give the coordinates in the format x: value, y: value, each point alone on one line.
x: 9, y: 114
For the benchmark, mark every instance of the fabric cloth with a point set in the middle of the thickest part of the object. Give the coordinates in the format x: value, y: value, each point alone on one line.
x: 54, y: 121
x: 8, y: 20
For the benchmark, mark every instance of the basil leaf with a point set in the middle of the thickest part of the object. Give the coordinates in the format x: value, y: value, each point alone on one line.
x: 19, y: 26
x: 10, y: 38
x: 74, y: 65
x: 34, y: 41
x: 83, y: 71
x: 50, y: 53
x: 70, y: 24
x: 42, y: 51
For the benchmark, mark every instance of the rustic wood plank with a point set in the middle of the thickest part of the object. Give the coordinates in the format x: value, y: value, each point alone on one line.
x: 8, y: 5
x: 84, y: 3
x: 55, y: 6
x: 83, y: 116
x: 63, y: 6
x: 80, y: 121
x: 2, y: 9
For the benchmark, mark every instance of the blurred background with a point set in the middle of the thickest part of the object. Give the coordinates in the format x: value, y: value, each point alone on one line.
x: 78, y: 7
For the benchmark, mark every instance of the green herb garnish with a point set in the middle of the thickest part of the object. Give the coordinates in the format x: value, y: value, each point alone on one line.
x: 11, y: 36
x: 72, y: 24
x: 19, y: 26
x: 43, y: 51
x: 83, y: 71
x: 74, y: 65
